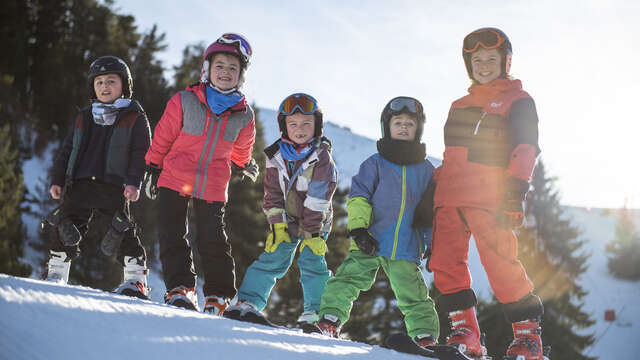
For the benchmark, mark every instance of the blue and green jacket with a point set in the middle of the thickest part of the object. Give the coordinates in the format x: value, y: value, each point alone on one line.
x: 383, y: 199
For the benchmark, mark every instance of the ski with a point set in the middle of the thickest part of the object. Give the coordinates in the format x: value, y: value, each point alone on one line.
x: 546, y: 353
x: 252, y: 317
x: 401, y: 342
x: 309, y: 328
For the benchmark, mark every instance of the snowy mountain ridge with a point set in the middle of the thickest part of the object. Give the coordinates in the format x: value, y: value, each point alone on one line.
x: 349, y: 150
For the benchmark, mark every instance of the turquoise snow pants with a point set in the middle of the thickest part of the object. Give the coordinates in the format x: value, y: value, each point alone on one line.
x: 358, y: 273
x: 261, y: 276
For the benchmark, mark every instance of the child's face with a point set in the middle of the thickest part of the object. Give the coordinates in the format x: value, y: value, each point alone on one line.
x: 108, y: 87
x: 486, y: 65
x: 224, y: 71
x: 300, y: 127
x: 402, y: 127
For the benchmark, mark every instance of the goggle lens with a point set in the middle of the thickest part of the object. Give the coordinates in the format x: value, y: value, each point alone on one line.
x: 488, y: 39
x: 304, y: 103
x: 399, y: 104
x: 243, y: 44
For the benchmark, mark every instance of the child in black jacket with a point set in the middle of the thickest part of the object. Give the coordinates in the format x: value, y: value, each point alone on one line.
x: 100, y: 168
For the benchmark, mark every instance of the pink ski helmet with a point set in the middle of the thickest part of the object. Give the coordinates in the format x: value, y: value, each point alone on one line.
x: 230, y: 43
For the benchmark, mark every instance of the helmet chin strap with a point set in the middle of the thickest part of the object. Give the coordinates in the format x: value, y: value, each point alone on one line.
x: 233, y: 89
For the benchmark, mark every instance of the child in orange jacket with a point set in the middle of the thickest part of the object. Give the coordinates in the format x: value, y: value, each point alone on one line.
x: 491, y: 145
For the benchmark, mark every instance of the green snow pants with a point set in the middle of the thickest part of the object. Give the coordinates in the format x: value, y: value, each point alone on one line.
x: 358, y: 272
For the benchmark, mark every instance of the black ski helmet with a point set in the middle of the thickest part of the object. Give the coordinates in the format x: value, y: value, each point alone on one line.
x: 488, y: 38
x: 399, y: 105
x: 317, y: 113
x: 111, y: 65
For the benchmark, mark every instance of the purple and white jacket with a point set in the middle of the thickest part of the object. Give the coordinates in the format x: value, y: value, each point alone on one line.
x: 301, y: 198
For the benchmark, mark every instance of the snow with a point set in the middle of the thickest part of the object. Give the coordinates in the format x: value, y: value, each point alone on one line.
x: 72, y: 321
x: 41, y: 320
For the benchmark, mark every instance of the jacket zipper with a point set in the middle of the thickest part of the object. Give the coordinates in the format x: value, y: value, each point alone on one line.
x: 475, y: 132
x: 404, y: 193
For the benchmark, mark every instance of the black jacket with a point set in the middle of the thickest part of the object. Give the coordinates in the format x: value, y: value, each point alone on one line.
x: 122, y: 153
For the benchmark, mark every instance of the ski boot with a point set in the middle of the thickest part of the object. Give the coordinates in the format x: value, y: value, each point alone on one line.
x: 307, y: 322
x: 329, y: 325
x: 240, y: 310
x: 182, y: 296
x: 527, y: 343
x: 425, y: 340
x: 465, y: 333
x: 215, y: 305
x: 58, y: 267
x: 135, y: 278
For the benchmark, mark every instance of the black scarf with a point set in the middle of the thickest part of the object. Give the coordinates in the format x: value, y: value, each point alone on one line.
x: 402, y: 152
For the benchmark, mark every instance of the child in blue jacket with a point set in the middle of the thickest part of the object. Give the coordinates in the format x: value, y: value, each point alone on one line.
x: 381, y: 205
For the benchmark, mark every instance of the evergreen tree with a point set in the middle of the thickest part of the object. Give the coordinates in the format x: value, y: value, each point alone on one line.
x: 246, y: 223
x: 623, y: 251
x: 11, y: 191
x: 51, y: 45
x: 549, y: 249
x: 188, y: 72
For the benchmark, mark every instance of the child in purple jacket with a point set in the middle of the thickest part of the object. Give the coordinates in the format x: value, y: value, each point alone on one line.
x: 299, y: 184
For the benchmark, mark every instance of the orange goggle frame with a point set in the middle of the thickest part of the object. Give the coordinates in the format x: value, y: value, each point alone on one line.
x: 304, y: 103
x: 488, y: 39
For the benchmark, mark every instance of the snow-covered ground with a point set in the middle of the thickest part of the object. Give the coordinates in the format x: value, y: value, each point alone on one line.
x: 40, y: 320
x: 75, y: 321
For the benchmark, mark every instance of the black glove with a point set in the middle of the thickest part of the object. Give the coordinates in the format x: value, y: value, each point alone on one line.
x: 423, y: 216
x: 366, y: 243
x: 511, y: 213
x: 151, y: 181
x: 250, y: 170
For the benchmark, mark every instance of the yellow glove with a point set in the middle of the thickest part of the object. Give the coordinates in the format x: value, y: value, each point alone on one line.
x: 277, y: 235
x: 316, y: 244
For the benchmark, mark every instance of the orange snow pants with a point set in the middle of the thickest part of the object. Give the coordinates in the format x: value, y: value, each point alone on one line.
x: 497, y: 247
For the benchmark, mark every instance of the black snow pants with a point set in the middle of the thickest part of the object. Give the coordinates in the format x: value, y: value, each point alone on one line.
x: 212, y: 244
x: 82, y: 201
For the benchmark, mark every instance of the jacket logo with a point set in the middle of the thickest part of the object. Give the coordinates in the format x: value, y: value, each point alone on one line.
x: 495, y: 105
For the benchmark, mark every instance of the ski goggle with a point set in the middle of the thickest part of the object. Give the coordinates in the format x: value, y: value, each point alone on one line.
x: 487, y: 38
x: 410, y: 104
x: 238, y: 40
x: 304, y: 103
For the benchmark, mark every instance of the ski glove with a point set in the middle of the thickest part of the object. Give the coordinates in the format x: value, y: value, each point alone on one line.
x: 511, y: 213
x: 151, y: 181
x: 423, y: 215
x: 277, y: 235
x: 366, y: 243
x: 315, y: 244
x: 250, y: 170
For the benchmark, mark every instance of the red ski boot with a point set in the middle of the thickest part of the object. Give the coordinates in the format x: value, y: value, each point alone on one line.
x: 465, y: 333
x: 526, y: 344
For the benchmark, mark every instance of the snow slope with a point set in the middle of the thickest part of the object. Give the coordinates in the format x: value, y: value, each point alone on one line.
x: 40, y: 320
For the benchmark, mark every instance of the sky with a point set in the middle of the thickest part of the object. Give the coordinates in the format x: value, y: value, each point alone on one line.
x: 577, y: 59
